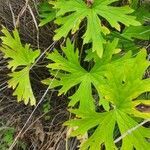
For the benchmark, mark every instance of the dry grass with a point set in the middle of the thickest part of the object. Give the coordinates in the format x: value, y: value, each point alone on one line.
x: 36, y: 132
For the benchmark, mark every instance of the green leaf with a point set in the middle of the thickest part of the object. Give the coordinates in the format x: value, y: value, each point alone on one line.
x: 105, y: 104
x: 78, y: 10
x: 125, y: 43
x: 76, y: 74
x: 12, y: 48
x: 103, y: 134
x: 20, y: 82
x: 19, y: 56
x: 121, y: 88
x: 134, y: 3
x: 73, y: 74
x: 46, y: 12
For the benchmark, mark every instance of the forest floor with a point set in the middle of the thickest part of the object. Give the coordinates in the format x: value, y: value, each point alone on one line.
x: 21, y: 126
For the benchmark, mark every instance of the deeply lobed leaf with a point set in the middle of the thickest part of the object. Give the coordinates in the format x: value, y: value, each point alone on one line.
x: 72, y: 73
x: 105, y: 125
x: 78, y: 10
x: 19, y: 55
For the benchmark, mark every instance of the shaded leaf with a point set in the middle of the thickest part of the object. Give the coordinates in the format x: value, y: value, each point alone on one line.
x: 138, y: 32
x: 46, y: 12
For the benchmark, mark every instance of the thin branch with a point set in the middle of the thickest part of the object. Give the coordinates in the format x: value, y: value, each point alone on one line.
x: 21, y: 13
x: 13, y: 15
x: 131, y: 130
x: 36, y: 24
x: 40, y: 101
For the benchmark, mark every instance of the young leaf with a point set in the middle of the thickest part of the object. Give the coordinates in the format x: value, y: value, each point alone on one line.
x: 120, y: 88
x: 103, y: 134
x: 19, y: 56
x: 75, y: 74
x: 78, y: 10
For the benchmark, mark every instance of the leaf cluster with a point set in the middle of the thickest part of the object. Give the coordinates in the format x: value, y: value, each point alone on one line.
x: 105, y: 95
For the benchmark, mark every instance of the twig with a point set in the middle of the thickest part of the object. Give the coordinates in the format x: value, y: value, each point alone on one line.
x: 36, y: 25
x: 131, y: 130
x: 13, y: 16
x: 19, y: 134
x: 37, y: 118
x: 21, y: 13
x: 15, y: 140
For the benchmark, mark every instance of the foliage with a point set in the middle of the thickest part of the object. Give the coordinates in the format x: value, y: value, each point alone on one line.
x: 76, y: 74
x: 142, y: 12
x: 120, y: 88
x: 143, y: 31
x: 104, y: 78
x: 19, y: 56
x: 81, y: 10
x: 139, y: 32
x: 115, y: 85
x: 7, y: 138
x: 46, y: 108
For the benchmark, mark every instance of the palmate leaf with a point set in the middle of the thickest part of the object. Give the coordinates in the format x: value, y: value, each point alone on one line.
x: 121, y: 88
x: 19, y: 56
x: 74, y: 74
x: 78, y: 10
x: 103, y: 134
